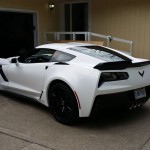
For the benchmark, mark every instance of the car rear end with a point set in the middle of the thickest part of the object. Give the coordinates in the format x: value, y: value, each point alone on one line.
x: 124, y: 81
x: 122, y: 85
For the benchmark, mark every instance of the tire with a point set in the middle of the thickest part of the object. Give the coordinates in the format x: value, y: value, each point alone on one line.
x: 63, y: 104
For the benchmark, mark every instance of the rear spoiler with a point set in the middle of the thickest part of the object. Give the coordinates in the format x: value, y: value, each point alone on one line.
x: 120, y: 65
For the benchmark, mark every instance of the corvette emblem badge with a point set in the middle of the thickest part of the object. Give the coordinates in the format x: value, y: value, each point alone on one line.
x: 141, y: 74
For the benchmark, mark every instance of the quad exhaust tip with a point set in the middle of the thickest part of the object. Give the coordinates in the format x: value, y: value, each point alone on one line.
x: 136, y: 105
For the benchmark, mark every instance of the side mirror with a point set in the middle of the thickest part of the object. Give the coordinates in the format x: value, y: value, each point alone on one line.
x: 15, y: 60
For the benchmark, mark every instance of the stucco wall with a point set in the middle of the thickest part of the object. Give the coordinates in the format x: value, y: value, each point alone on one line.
x: 127, y: 19
x: 47, y: 21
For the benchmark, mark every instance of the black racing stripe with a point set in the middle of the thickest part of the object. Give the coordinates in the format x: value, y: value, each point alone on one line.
x: 2, y: 74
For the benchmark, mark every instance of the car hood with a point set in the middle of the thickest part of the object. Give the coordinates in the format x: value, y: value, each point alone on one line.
x: 4, y: 61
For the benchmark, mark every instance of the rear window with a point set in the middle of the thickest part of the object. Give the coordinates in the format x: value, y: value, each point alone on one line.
x: 101, y: 53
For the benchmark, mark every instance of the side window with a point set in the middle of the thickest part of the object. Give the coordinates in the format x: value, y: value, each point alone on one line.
x: 61, y: 57
x: 38, y: 56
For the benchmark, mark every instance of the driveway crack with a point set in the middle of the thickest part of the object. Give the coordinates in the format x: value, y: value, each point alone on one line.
x: 144, y: 144
x: 23, y: 137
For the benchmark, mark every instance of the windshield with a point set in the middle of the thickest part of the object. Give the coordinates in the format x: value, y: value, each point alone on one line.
x: 101, y: 53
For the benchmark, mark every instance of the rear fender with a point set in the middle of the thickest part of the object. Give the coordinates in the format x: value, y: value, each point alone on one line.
x: 83, y: 81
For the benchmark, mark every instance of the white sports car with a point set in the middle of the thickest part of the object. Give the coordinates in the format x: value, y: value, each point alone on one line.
x: 76, y: 79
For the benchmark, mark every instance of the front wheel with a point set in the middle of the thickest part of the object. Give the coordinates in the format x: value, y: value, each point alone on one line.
x: 63, y: 104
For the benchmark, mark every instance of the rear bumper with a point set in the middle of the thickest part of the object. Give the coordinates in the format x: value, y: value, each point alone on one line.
x: 119, y: 101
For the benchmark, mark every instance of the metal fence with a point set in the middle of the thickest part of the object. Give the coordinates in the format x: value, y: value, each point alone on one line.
x: 87, y: 37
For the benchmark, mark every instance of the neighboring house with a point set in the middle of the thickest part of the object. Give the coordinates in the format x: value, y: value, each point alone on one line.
x: 126, y: 19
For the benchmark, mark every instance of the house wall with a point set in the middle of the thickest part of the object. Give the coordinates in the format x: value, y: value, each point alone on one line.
x: 127, y: 19
x: 47, y: 20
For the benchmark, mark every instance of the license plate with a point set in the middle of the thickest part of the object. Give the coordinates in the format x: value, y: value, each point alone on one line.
x: 140, y: 93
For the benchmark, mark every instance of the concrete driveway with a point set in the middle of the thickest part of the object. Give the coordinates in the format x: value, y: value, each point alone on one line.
x: 27, y: 125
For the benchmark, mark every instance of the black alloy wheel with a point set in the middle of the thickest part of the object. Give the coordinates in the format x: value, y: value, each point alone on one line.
x: 63, y: 104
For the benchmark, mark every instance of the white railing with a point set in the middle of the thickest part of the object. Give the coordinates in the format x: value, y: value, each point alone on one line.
x: 87, y: 37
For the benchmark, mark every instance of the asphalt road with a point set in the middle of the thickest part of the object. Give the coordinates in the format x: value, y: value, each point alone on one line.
x: 27, y: 125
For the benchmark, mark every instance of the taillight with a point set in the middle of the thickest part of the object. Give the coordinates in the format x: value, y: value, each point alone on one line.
x: 112, y: 76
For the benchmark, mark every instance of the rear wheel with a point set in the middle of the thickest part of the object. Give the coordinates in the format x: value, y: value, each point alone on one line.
x: 63, y: 104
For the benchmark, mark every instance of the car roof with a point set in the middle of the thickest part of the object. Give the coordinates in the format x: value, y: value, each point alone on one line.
x: 60, y: 46
x: 66, y: 47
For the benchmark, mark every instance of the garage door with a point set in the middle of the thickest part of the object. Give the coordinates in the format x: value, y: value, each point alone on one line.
x: 16, y: 33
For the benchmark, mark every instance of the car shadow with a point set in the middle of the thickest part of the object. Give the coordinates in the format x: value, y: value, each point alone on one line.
x: 104, y: 119
x: 24, y: 100
x: 110, y: 118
